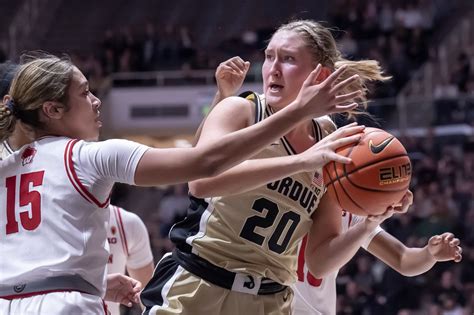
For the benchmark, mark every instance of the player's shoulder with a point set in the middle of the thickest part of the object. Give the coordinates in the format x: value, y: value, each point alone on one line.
x: 326, y: 123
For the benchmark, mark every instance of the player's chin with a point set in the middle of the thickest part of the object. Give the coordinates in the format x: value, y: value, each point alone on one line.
x: 276, y: 101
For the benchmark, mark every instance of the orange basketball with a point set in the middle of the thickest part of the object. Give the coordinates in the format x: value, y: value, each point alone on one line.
x: 378, y: 177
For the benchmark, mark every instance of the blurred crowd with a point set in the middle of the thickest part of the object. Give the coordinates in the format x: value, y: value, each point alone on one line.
x: 399, y: 34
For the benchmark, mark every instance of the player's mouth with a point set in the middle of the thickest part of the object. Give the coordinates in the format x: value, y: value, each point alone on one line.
x: 97, y: 120
x: 275, y: 87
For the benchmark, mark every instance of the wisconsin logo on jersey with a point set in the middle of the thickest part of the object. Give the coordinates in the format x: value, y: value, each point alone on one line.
x: 28, y: 155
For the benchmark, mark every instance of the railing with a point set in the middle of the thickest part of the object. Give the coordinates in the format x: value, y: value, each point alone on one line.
x: 411, y: 115
x: 438, y: 70
x: 170, y: 78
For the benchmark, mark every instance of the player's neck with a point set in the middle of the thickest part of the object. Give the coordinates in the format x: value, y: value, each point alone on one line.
x: 18, y: 139
x: 302, y: 136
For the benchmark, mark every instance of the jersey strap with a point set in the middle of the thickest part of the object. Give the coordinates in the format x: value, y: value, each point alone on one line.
x: 254, y: 98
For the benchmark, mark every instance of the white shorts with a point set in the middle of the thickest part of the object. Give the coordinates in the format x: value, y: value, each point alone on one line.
x: 54, y: 303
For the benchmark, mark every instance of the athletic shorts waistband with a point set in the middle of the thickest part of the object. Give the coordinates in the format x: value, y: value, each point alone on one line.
x: 224, y: 278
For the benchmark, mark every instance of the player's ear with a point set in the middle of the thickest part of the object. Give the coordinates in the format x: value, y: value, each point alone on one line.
x: 53, y: 110
x: 323, y: 74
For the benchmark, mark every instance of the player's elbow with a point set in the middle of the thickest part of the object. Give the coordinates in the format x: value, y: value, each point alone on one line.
x: 317, y: 268
x: 407, y: 272
x: 199, y: 189
x: 208, y: 164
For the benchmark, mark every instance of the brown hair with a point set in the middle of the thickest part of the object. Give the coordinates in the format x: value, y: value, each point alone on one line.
x: 324, y: 50
x: 38, y: 80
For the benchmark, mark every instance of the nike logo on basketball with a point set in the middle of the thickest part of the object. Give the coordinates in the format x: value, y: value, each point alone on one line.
x: 379, y: 147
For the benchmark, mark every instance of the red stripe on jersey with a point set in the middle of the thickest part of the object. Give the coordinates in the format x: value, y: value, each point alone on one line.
x: 121, y: 230
x: 69, y: 174
x: 350, y: 220
x: 75, y: 179
x: 105, y: 307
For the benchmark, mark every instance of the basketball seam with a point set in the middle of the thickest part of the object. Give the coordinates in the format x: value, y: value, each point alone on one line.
x: 368, y: 164
x: 345, y: 192
x: 333, y: 186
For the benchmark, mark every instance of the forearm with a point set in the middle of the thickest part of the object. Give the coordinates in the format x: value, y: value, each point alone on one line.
x: 142, y: 274
x: 416, y: 261
x: 407, y: 261
x: 232, y: 148
x: 333, y: 253
x: 219, y: 96
x: 213, y: 156
x: 247, y: 176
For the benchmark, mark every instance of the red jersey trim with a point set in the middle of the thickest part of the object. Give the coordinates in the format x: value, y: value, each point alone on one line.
x: 71, y: 173
x: 121, y: 230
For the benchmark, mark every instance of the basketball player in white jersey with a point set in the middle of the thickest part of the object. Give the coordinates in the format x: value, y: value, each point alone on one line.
x: 314, y: 296
x: 120, y: 288
x: 129, y: 248
x: 56, y: 188
x: 129, y: 251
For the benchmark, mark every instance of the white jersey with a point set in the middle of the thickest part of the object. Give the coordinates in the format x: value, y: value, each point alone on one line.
x: 318, y: 296
x: 129, y: 245
x: 54, y: 195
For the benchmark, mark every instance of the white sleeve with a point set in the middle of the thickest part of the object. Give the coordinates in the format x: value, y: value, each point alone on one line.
x: 139, y: 250
x: 100, y: 164
x: 357, y: 219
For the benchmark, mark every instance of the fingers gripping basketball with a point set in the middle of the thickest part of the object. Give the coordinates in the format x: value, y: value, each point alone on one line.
x: 377, y: 178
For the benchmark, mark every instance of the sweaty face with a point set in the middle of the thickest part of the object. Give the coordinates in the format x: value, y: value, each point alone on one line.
x: 288, y: 63
x: 82, y: 118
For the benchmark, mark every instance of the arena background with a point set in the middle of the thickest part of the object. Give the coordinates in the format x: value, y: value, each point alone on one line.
x: 153, y: 62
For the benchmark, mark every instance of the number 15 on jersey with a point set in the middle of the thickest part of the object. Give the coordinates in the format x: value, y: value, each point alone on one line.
x: 29, y: 217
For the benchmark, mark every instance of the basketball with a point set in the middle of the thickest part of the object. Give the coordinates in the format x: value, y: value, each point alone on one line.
x: 378, y: 177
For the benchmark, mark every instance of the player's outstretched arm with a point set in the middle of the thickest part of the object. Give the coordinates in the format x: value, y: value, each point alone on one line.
x: 257, y: 172
x: 414, y: 261
x: 233, y: 142
x: 328, y: 248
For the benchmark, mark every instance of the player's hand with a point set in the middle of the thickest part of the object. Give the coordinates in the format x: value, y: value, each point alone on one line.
x: 404, y: 204
x: 122, y: 289
x: 400, y: 207
x: 319, y: 99
x: 445, y: 247
x: 325, y: 150
x: 230, y: 75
